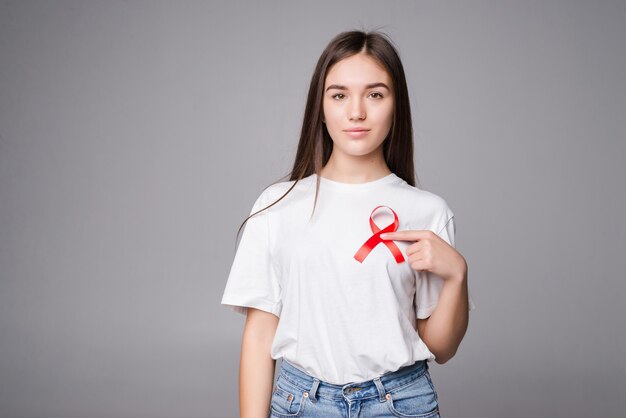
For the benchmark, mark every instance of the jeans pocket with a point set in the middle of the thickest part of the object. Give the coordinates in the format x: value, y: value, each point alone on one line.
x: 287, y: 399
x: 417, y: 399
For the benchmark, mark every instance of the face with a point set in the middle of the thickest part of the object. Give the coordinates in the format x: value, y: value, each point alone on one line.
x: 358, y: 105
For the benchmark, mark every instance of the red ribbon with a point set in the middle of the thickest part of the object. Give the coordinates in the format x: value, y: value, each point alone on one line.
x: 375, y: 239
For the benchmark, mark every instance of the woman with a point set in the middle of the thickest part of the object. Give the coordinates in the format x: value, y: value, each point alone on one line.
x: 348, y: 272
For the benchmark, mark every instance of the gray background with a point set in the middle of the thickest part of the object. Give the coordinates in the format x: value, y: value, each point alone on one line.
x: 135, y: 136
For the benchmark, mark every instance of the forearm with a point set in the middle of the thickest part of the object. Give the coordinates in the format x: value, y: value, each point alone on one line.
x: 256, y: 375
x: 446, y: 326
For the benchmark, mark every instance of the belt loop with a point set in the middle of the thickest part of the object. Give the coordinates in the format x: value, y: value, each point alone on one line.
x: 381, y: 389
x: 313, y: 391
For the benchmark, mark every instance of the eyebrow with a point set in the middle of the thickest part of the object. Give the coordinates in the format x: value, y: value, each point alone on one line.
x: 369, y: 86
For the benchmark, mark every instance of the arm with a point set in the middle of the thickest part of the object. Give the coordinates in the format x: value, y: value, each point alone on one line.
x: 256, y: 369
x: 444, y: 329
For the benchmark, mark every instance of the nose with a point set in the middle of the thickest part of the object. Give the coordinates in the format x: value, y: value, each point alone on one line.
x: 357, y: 111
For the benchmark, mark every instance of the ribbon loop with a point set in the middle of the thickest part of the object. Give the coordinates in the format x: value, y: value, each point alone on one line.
x: 375, y: 239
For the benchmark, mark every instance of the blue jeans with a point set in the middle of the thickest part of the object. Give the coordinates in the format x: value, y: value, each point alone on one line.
x: 406, y: 393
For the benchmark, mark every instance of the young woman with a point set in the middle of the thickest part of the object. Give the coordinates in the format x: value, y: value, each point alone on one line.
x: 348, y: 271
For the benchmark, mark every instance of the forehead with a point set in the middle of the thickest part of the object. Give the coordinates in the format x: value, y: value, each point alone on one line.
x: 356, y: 70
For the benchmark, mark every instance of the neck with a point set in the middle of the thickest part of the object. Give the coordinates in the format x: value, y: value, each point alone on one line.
x: 359, y: 169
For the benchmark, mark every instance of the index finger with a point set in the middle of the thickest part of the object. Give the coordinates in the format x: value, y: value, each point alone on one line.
x: 406, y: 235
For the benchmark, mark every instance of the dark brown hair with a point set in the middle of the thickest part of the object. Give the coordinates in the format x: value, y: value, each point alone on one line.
x: 315, y: 145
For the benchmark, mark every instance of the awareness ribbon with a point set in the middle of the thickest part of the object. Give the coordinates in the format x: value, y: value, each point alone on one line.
x: 375, y: 239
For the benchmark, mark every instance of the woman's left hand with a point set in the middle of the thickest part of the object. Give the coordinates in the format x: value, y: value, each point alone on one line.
x: 431, y: 253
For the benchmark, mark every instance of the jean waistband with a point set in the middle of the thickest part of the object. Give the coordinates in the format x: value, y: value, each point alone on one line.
x: 377, y: 387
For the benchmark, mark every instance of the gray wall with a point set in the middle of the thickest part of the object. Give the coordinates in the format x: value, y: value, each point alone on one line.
x: 135, y: 136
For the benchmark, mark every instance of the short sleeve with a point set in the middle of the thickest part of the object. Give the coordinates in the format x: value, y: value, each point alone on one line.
x: 428, y: 285
x: 252, y: 281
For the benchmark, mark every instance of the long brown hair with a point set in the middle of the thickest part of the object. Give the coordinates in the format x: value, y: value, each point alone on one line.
x: 315, y: 145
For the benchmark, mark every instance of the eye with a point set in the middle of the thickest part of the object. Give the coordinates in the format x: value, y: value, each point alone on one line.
x: 335, y: 96
x: 376, y: 95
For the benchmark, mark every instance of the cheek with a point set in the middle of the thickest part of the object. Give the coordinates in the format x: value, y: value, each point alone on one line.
x: 384, y: 116
x: 331, y: 116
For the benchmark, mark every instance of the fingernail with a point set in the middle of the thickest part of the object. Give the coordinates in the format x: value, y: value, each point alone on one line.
x: 384, y: 236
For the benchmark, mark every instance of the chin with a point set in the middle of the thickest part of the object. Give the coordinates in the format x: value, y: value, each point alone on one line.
x: 360, y: 148
x: 358, y: 152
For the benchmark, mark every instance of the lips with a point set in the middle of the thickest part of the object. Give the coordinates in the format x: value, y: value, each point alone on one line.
x: 356, y: 132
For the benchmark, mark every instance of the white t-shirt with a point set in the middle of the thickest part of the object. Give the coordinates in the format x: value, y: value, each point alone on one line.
x: 341, y: 320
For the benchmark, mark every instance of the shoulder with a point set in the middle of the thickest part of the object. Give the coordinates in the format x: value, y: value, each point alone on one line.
x: 277, y: 190
x: 426, y: 200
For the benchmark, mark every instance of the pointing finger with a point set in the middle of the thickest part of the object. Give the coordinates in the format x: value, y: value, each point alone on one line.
x: 406, y: 235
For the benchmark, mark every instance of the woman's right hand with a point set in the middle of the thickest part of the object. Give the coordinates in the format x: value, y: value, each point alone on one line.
x: 256, y: 368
